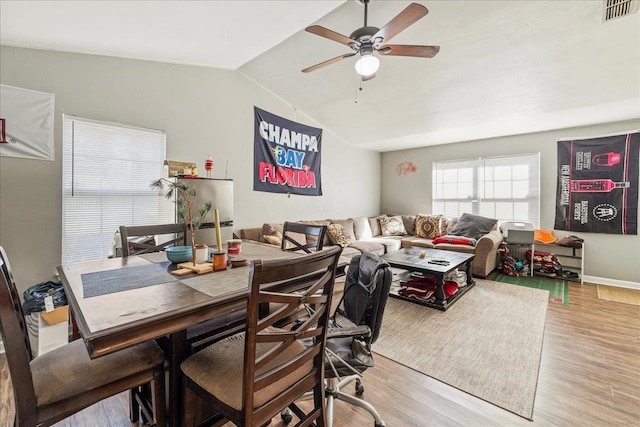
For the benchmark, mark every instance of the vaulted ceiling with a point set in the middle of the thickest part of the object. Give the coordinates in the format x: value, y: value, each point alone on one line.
x: 504, y: 67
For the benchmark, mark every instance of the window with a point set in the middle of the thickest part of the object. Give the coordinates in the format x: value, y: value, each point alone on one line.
x: 505, y: 188
x: 106, y: 172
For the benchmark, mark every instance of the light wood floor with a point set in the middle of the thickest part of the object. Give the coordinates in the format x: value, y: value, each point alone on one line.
x: 589, y: 376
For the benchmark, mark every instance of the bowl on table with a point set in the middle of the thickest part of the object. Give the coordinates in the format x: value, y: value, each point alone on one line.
x: 177, y: 254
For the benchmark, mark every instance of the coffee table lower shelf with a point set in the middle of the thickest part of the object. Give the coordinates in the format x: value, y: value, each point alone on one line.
x: 440, y: 305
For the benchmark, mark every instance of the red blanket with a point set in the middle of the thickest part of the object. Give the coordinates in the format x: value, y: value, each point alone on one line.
x: 426, y: 285
x: 456, y: 240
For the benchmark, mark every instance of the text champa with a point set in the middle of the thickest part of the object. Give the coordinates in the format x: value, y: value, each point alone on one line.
x: 283, y: 136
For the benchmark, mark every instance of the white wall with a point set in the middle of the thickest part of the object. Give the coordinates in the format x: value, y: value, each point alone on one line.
x: 608, y: 258
x: 203, y: 111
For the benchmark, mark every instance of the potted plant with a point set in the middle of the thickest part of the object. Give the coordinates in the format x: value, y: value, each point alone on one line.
x: 184, y: 199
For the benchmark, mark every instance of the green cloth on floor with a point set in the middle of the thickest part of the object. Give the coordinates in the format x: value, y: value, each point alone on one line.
x: 558, y: 289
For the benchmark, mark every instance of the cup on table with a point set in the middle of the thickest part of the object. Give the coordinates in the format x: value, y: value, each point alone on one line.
x: 202, y: 253
x: 219, y: 261
x: 234, y: 246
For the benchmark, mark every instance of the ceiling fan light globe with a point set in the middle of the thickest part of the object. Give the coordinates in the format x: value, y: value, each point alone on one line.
x: 367, y: 65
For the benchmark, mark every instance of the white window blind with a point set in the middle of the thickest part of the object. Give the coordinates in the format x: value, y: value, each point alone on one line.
x: 107, y: 170
x: 505, y: 188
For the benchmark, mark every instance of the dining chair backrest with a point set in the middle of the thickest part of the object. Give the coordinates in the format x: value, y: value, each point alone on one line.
x: 16, y: 340
x: 177, y: 236
x: 303, y: 283
x: 297, y: 236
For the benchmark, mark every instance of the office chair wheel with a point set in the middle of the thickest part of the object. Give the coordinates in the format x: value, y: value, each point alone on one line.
x: 359, y: 387
x: 286, y: 416
x: 382, y: 424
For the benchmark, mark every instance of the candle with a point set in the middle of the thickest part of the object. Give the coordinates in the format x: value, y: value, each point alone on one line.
x: 218, y: 234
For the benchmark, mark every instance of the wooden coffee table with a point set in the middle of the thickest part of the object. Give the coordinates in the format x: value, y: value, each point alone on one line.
x: 436, y: 263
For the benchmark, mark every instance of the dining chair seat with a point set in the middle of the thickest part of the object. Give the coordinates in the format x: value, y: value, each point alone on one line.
x: 68, y: 372
x: 218, y: 367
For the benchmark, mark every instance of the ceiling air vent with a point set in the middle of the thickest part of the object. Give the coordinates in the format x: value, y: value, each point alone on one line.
x: 613, y: 9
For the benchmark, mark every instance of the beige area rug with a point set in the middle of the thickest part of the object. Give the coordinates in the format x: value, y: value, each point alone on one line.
x: 487, y: 344
x: 624, y: 295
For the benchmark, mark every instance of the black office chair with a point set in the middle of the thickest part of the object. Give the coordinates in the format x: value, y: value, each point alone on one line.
x: 297, y: 236
x: 55, y: 385
x: 177, y: 233
x: 355, y: 325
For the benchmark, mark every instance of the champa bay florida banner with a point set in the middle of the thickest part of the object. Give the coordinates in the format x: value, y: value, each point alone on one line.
x: 286, y: 156
x: 598, y: 184
x: 26, y: 123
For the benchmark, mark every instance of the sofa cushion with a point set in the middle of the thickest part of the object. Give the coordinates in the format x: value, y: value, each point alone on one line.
x: 348, y: 226
x: 338, y: 235
x: 409, y: 224
x: 447, y: 225
x: 428, y: 226
x: 392, y: 226
x: 350, y: 252
x: 409, y: 241
x: 325, y: 241
x: 456, y: 248
x: 375, y: 226
x: 473, y: 226
x: 391, y: 243
x: 368, y: 246
x: 362, y: 228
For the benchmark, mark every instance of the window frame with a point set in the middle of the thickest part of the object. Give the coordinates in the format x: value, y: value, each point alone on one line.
x: 480, y: 176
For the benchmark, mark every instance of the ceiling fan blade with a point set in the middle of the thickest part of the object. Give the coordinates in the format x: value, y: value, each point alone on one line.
x: 366, y: 78
x: 411, y: 14
x: 409, y: 50
x: 331, y: 35
x: 328, y: 62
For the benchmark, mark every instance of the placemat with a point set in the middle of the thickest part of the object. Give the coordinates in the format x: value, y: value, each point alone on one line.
x: 235, y: 279
x: 124, y: 279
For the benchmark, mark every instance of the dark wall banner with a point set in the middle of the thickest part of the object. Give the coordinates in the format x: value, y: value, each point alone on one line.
x: 598, y: 184
x: 286, y: 156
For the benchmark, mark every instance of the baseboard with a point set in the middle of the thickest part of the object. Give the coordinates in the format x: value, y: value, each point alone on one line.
x: 612, y: 282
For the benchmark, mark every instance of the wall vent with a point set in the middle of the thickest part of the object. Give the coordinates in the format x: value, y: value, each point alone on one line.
x: 612, y: 9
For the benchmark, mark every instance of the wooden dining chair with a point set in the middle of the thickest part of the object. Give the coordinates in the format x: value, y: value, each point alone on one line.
x: 59, y: 383
x: 249, y: 378
x: 177, y: 233
x: 297, y: 236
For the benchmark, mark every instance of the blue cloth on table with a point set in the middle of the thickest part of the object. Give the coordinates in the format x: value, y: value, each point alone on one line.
x: 124, y: 279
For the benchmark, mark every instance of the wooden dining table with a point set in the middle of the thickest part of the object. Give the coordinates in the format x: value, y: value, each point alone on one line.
x: 119, y: 302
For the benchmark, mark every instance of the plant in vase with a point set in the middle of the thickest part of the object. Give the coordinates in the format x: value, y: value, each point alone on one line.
x: 185, y: 197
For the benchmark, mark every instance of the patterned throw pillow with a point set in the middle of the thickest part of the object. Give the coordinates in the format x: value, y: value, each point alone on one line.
x: 428, y: 226
x: 270, y: 230
x: 339, y: 235
x: 275, y: 238
x: 392, y: 226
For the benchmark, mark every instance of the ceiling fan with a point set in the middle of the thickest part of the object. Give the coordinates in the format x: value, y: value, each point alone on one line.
x: 367, y: 40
